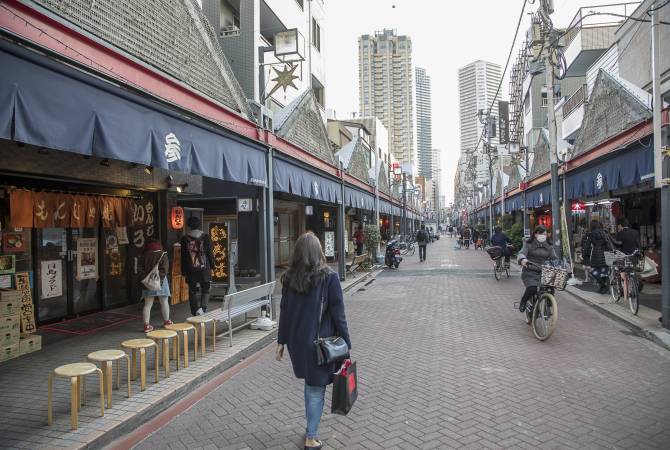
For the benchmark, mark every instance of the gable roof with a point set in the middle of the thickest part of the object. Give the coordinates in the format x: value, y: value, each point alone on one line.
x: 300, y: 122
x: 354, y: 159
x: 541, y: 163
x: 171, y: 35
x: 615, y: 105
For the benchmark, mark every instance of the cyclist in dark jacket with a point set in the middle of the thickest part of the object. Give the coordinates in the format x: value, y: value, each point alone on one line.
x: 536, y: 250
x: 500, y: 239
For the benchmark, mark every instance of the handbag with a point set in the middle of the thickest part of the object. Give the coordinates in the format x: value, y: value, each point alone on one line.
x: 345, y: 389
x: 331, y: 349
x: 152, y: 282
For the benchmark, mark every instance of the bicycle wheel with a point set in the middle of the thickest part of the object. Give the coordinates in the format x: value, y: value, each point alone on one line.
x: 496, y: 272
x: 615, y: 287
x: 545, y: 316
x: 633, y: 294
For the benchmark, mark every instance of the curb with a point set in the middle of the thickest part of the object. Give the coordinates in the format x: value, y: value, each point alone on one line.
x: 374, y: 271
x: 125, y: 428
x: 638, y: 330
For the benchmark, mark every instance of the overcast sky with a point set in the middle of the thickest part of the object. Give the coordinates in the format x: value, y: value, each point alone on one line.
x: 446, y: 35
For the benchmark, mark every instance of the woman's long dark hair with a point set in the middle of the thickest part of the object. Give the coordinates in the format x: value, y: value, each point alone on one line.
x: 307, y: 266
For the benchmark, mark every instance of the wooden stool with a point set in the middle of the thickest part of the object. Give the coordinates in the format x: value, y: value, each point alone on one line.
x: 76, y: 373
x: 201, y: 322
x: 141, y: 345
x: 184, y: 328
x: 106, y: 359
x: 164, y: 337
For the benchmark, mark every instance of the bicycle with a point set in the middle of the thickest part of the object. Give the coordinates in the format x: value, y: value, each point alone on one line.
x: 541, y: 311
x: 407, y: 248
x: 499, y: 266
x: 623, y: 280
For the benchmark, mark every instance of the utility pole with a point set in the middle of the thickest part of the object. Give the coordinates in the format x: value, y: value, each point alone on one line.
x: 551, y: 124
x: 403, y: 220
x: 661, y: 169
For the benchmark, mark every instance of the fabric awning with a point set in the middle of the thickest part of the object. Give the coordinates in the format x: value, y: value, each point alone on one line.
x: 359, y: 199
x: 48, y: 104
x: 297, y: 180
x: 514, y: 203
x: 624, y: 169
x: 538, y: 196
x: 385, y: 207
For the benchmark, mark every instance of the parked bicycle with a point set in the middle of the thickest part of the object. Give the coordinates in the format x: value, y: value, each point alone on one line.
x: 541, y: 311
x: 407, y: 247
x: 623, y: 280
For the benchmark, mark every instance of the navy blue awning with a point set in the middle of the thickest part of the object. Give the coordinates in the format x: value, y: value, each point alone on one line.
x: 623, y: 169
x: 514, y: 203
x: 385, y: 207
x: 538, y: 196
x: 497, y: 207
x: 296, y: 180
x: 55, y: 106
x: 358, y: 199
x: 397, y: 211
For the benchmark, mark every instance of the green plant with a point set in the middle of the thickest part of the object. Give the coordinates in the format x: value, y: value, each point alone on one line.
x: 515, y: 233
x: 372, y: 238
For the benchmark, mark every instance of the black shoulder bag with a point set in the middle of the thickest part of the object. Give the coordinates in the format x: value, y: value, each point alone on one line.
x: 329, y: 350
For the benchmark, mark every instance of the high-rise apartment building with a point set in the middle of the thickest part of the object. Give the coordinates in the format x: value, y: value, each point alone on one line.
x: 385, y: 88
x: 424, y: 132
x: 477, y: 85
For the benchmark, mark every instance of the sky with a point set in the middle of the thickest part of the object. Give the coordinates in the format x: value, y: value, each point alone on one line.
x: 446, y: 35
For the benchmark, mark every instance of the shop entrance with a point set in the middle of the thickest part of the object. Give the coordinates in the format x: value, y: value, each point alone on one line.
x: 67, y: 281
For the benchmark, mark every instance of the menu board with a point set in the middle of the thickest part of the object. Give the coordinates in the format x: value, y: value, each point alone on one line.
x: 218, y: 232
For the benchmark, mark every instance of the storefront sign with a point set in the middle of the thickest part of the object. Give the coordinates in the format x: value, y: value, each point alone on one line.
x: 7, y: 264
x: 22, y: 281
x: 15, y: 242
x: 114, y: 261
x: 5, y: 281
x: 309, y: 210
x: 52, y: 279
x: 245, y: 205
x: 578, y: 207
x: 122, y: 235
x: 329, y: 244
x: 503, y: 122
x: 87, y: 259
x: 218, y: 232
x: 177, y: 218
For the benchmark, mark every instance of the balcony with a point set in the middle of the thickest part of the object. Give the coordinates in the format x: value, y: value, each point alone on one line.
x: 591, y: 33
x: 573, y: 113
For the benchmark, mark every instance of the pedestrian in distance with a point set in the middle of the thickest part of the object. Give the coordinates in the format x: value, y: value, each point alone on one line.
x: 538, y: 251
x: 310, y: 290
x: 197, y: 261
x: 154, y: 256
x: 359, y: 238
x: 422, y: 242
x: 594, y: 246
x: 467, y: 235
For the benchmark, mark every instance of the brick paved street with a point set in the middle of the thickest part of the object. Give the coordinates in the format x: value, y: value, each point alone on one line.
x: 445, y: 362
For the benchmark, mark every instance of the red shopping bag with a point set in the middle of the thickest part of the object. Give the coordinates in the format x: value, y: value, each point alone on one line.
x: 345, y: 389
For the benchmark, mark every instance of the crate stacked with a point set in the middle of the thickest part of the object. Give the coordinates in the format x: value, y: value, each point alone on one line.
x: 12, y: 342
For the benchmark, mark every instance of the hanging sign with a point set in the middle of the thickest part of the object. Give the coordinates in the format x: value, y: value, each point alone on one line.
x: 578, y: 207
x: 329, y: 244
x: 218, y: 232
x: 177, y: 218
x: 114, y: 261
x: 87, y: 258
x: 22, y: 281
x: 51, y: 274
x: 244, y: 205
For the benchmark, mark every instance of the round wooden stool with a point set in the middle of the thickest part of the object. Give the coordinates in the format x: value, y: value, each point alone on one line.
x: 184, y: 328
x: 201, y: 323
x: 164, y: 337
x: 76, y: 373
x: 140, y: 345
x: 106, y: 358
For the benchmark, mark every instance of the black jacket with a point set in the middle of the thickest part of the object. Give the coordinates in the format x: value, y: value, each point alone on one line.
x: 191, y: 275
x: 594, y: 246
x: 628, y: 240
x: 298, y: 323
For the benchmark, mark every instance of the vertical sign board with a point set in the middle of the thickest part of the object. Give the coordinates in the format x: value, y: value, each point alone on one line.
x: 218, y: 231
x: 503, y: 122
x: 329, y: 244
x: 22, y: 281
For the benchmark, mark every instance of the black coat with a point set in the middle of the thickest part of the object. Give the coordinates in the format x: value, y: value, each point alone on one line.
x: 197, y: 276
x: 595, y: 244
x: 628, y: 240
x: 298, y: 323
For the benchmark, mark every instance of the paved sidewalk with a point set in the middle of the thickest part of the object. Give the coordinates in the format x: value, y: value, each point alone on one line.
x: 23, y: 383
x: 446, y: 362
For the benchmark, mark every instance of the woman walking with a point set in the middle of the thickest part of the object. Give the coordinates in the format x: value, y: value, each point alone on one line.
x: 307, y: 284
x: 595, y: 243
x: 153, y: 254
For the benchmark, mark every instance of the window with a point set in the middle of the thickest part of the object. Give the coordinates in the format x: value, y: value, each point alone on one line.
x: 316, y: 34
x: 301, y: 4
x: 320, y: 95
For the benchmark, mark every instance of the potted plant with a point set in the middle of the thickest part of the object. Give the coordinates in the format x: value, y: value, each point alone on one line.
x: 372, y: 238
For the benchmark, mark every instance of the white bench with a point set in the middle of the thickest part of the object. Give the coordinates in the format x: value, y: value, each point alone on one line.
x: 240, y: 304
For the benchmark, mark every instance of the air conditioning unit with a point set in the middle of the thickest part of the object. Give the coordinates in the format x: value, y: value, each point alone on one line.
x: 262, y: 115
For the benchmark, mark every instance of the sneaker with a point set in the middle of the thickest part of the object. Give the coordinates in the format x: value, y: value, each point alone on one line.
x: 148, y: 327
x: 522, y: 306
x: 199, y: 312
x: 168, y: 322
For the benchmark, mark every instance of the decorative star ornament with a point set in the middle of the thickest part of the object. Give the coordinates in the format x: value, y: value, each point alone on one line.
x: 284, y: 78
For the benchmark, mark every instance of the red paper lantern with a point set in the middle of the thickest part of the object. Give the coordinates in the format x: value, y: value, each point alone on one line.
x: 177, y: 217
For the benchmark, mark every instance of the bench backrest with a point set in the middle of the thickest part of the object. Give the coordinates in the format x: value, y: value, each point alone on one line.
x: 248, y: 295
x: 359, y: 259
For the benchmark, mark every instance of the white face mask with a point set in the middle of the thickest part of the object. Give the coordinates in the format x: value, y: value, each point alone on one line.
x: 541, y: 238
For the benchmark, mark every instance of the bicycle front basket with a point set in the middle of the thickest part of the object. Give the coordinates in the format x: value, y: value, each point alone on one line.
x: 612, y: 257
x: 494, y: 252
x: 555, y: 277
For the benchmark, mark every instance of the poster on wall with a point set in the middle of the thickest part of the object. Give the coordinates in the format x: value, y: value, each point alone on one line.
x: 5, y: 281
x: 329, y: 244
x: 7, y: 264
x: 114, y: 262
x: 51, y: 273
x: 218, y: 231
x: 15, y: 241
x: 87, y: 258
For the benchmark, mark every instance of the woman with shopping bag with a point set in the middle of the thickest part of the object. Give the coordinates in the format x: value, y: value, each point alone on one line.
x: 313, y: 326
x: 153, y: 267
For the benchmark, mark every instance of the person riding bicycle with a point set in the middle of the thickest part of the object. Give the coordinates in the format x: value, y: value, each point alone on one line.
x: 467, y: 234
x: 536, y: 250
x: 500, y: 239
